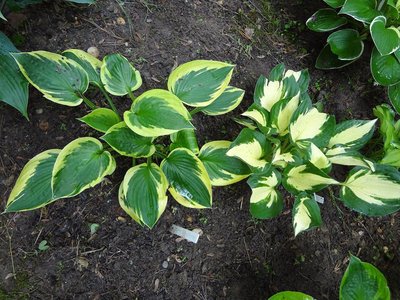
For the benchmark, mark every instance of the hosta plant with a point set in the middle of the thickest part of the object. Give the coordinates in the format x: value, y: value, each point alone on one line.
x: 288, y: 141
x: 388, y: 149
x: 13, y: 85
x: 353, y: 22
x: 361, y: 280
x: 160, y: 164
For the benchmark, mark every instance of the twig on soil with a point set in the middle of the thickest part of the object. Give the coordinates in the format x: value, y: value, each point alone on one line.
x: 247, y: 251
x: 37, y: 238
x: 130, y: 25
x: 11, y: 254
x: 109, y: 32
x: 92, y: 251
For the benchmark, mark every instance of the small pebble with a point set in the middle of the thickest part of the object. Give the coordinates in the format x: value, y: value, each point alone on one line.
x: 121, y: 21
x: 165, y: 264
x: 93, y: 51
x: 39, y: 111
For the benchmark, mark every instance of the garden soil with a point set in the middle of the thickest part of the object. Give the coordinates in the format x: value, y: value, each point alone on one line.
x: 236, y: 256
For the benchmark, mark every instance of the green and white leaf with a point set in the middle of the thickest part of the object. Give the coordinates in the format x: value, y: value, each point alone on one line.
x: 189, y: 182
x: 361, y: 10
x: 265, y: 201
x: 144, y: 191
x: 282, y: 112
x: 200, y: 82
x: 386, y: 40
x: 101, y: 119
x: 348, y: 157
x: 305, y: 178
x: 125, y: 206
x: 257, y: 114
x: 88, y: 62
x: 157, y: 112
x: 289, y: 295
x: 372, y: 193
x: 60, y: 79
x: 394, y: 96
x: 363, y: 281
x: 13, y: 85
x: 119, y: 76
x: 33, y: 187
x: 267, y: 92
x: 126, y: 142
x: 387, y: 126
x: 251, y: 147
x: 324, y: 20
x: 327, y: 60
x: 385, y: 68
x: 226, y: 102
x: 282, y: 159
x: 312, y: 126
x: 353, y: 134
x: 306, y: 213
x: 317, y: 157
x: 346, y: 44
x: 222, y: 169
x: 184, y: 139
x: 82, y: 164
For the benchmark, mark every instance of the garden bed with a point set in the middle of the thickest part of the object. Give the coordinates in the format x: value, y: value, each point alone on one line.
x: 237, y: 257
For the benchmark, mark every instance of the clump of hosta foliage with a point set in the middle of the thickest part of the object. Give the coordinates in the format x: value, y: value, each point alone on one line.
x: 361, y: 280
x: 160, y: 164
x: 288, y: 141
x: 388, y: 150
x: 13, y: 85
x: 362, y: 19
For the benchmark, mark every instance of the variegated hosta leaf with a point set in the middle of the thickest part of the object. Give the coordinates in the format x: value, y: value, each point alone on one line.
x: 82, y: 164
x: 33, y: 187
x: 347, y: 157
x: 226, y: 102
x: 257, y: 114
x: 265, y: 201
x: 282, y: 112
x: 246, y: 123
x: 313, y: 126
x: 101, y: 119
x: 363, y: 281
x: 386, y: 40
x: 306, y: 213
x: 222, y: 169
x: 305, y: 178
x: 352, y: 134
x: 13, y: 85
x: 335, y: 3
x: 88, y: 62
x: 60, y: 79
x: 361, y: 10
x: 251, y: 147
x: 289, y: 295
x: 200, y: 82
x: 119, y: 76
x: 318, y: 158
x: 188, y: 178
x: 184, y: 139
x: 325, y: 19
x: 372, y: 193
x: 277, y: 73
x: 157, y: 112
x: 282, y: 159
x: 144, y: 193
x: 128, y: 143
x: 387, y: 125
x: 124, y: 205
x: 267, y: 92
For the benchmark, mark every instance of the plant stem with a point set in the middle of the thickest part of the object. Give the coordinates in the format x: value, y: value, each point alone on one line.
x: 133, y: 162
x: 381, y: 4
x: 88, y: 102
x: 131, y: 96
x: 149, y: 161
x: 110, y: 101
x: 196, y: 110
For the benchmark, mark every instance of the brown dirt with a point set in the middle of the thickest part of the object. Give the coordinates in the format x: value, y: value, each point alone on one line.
x: 237, y: 257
